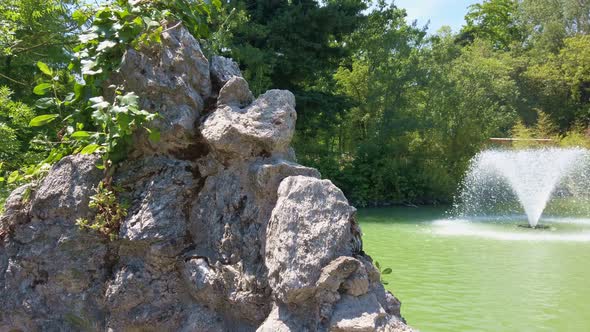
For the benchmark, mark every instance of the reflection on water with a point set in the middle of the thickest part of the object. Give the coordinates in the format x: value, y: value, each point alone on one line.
x: 483, y: 275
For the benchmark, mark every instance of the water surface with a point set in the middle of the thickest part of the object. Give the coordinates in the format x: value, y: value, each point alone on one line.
x: 483, y: 275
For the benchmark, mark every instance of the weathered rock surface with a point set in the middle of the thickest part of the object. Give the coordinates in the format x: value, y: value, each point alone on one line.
x: 235, y: 92
x: 264, y: 127
x: 174, y: 80
x: 224, y: 232
x: 309, y: 227
x: 222, y: 70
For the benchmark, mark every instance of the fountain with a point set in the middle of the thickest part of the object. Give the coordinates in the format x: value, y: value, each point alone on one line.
x: 498, y: 181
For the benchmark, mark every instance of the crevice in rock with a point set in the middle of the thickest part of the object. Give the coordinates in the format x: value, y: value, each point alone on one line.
x: 197, y: 149
x: 111, y: 259
x: 210, y: 104
x: 40, y: 279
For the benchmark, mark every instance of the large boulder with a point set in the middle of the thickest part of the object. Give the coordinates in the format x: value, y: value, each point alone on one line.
x: 51, y: 272
x: 319, y: 276
x: 224, y: 230
x: 174, y: 80
x: 309, y: 227
x: 264, y: 127
x: 66, y: 191
x: 235, y: 92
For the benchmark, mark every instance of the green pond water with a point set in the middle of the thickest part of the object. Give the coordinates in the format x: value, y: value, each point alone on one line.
x: 482, y: 275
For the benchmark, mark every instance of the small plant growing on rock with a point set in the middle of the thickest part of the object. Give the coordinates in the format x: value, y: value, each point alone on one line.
x: 109, y: 211
x: 383, y: 272
x: 71, y: 99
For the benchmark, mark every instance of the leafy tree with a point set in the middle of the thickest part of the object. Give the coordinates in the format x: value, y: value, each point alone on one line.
x: 560, y: 85
x: 33, y: 31
x: 577, y: 136
x: 382, y: 81
x: 14, y: 120
x: 290, y: 44
x: 548, y: 23
x: 493, y: 20
x: 545, y: 128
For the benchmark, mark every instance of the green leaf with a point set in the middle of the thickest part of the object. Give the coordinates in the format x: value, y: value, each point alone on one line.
x: 98, y: 103
x: 377, y: 265
x: 13, y: 177
x: 116, y: 26
x: 80, y: 134
x: 129, y: 99
x: 80, y: 17
x: 84, y: 38
x: 90, y: 148
x: 105, y: 44
x: 138, y: 22
x: 99, y: 117
x: 27, y: 194
x: 70, y: 97
x: 119, y: 109
x: 88, y: 66
x: 42, y: 120
x: 105, y: 12
x: 154, y: 135
x: 1, y: 179
x: 386, y: 271
x: 78, y: 90
x: 44, y: 103
x: 123, y: 14
x: 42, y: 88
x: 44, y: 68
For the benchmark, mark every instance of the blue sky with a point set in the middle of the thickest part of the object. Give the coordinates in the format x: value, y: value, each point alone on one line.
x: 439, y: 12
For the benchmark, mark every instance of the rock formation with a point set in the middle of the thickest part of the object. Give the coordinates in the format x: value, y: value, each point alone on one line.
x: 224, y: 232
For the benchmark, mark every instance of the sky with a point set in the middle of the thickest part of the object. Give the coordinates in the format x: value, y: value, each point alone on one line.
x: 439, y: 12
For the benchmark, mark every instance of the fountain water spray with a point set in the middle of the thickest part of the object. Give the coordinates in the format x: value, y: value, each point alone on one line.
x: 497, y: 179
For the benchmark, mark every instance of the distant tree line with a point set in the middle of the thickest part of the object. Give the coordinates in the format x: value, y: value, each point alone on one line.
x: 390, y: 113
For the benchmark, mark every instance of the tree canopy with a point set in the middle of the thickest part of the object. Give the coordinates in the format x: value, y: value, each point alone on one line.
x: 390, y: 113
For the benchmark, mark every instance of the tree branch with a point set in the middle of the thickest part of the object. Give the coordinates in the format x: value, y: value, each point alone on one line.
x: 12, y: 80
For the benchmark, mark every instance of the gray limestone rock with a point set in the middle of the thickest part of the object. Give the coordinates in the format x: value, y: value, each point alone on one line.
x: 309, y: 227
x: 224, y: 230
x: 66, y: 190
x: 268, y: 175
x: 222, y: 70
x: 235, y: 92
x: 16, y: 209
x: 363, y: 314
x: 264, y: 127
x: 52, y: 272
x: 334, y: 274
x: 173, y: 80
x: 282, y: 319
x: 157, y: 211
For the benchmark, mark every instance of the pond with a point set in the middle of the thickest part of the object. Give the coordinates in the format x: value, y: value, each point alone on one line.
x: 482, y: 275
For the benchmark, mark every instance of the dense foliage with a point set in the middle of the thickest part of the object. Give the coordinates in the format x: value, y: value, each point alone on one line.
x: 388, y: 112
